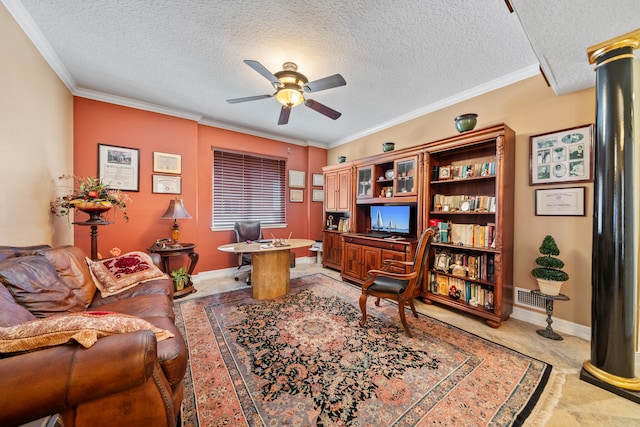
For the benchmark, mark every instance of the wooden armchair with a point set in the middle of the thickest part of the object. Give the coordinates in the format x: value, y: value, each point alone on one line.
x: 401, y: 287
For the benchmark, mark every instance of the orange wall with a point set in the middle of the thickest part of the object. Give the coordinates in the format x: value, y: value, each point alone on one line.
x: 102, y: 123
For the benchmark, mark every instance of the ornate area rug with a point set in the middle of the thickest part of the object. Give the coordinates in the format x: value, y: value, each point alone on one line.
x: 303, y: 360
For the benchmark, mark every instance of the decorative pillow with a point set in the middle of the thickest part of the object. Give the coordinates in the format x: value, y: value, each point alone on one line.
x: 85, y: 328
x: 114, y: 275
x: 69, y: 262
x: 35, y: 284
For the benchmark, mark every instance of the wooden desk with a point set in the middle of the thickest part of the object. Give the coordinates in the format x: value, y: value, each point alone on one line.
x: 270, y: 277
x: 169, y: 252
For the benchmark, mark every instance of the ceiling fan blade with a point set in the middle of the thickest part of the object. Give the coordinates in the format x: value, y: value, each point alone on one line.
x: 264, y: 72
x: 322, y: 109
x: 248, y: 98
x: 325, y: 83
x: 284, y: 115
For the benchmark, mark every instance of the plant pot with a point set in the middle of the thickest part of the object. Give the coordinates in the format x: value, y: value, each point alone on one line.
x: 94, y: 209
x: 180, y: 283
x: 549, y: 287
x: 466, y: 122
x: 388, y: 146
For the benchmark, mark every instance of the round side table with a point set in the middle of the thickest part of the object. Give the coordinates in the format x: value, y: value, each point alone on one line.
x: 549, y: 299
x: 169, y: 252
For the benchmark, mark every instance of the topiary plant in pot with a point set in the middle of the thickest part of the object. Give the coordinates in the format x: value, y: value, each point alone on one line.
x: 549, y: 271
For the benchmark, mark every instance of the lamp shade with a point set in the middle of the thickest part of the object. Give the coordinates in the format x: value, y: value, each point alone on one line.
x: 175, y: 210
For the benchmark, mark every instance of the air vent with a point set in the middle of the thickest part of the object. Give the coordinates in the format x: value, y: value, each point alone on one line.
x: 525, y: 297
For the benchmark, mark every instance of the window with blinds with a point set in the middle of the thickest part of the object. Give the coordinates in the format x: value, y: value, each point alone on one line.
x: 248, y: 187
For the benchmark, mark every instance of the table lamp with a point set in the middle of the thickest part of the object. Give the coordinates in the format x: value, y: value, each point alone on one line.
x: 174, y: 211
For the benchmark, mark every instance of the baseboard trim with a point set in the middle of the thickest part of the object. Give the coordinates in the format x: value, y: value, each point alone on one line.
x: 559, y: 325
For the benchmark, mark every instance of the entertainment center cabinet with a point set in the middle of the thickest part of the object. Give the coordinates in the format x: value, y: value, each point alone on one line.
x: 362, y: 253
x: 464, y: 186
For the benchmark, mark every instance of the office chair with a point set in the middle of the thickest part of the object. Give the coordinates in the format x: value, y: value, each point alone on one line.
x: 401, y: 287
x: 246, y: 230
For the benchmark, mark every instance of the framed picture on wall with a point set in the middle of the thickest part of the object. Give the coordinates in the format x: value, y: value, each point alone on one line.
x: 296, y: 196
x: 561, y: 156
x: 318, y: 180
x: 296, y: 179
x: 561, y: 201
x: 119, y: 167
x: 167, y: 163
x: 166, y: 184
x: 318, y: 195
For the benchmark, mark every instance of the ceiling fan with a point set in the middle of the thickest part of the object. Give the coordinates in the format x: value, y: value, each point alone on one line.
x: 290, y: 86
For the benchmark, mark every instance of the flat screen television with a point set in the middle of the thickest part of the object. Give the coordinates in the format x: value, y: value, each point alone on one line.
x: 392, y: 219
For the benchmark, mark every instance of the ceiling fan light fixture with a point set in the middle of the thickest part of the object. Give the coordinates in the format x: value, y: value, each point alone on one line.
x: 290, y: 95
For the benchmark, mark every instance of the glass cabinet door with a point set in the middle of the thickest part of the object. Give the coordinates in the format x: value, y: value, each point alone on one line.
x: 406, y: 176
x: 365, y: 183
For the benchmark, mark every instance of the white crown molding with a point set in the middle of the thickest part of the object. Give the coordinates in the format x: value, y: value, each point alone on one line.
x: 254, y: 132
x: 24, y: 20
x: 140, y: 105
x: 499, y: 83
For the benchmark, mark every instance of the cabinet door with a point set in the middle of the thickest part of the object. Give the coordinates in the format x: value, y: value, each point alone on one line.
x: 344, y: 190
x: 398, y: 256
x: 337, y: 249
x: 406, y: 181
x: 330, y: 191
x: 370, y: 260
x: 365, y: 182
x: 352, y: 260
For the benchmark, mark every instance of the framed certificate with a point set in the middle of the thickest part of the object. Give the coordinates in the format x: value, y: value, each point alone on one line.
x: 119, y: 167
x: 561, y: 201
x: 167, y: 184
x: 167, y: 163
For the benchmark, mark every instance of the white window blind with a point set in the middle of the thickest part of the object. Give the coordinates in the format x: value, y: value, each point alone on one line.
x: 248, y: 187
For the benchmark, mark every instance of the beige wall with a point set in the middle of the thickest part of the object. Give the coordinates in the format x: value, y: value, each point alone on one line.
x: 36, y: 145
x: 529, y: 107
x: 36, y: 140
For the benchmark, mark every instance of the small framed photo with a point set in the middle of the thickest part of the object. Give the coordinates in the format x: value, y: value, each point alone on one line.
x: 296, y: 179
x: 166, y: 184
x: 119, y: 167
x: 317, y: 195
x: 167, y: 163
x: 562, y: 156
x: 318, y: 180
x: 296, y: 196
x: 560, y: 202
x: 441, y: 262
x: 444, y: 173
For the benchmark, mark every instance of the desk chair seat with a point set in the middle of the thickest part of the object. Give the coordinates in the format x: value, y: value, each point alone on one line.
x: 401, y: 287
x: 244, y: 231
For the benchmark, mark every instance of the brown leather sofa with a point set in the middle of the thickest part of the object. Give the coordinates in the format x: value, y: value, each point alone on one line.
x: 127, y: 379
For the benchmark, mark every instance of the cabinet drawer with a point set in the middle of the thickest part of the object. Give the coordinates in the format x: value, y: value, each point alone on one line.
x: 398, y: 256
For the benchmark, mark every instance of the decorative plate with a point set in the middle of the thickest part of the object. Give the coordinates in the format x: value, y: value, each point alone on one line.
x: 464, y: 207
x: 389, y: 174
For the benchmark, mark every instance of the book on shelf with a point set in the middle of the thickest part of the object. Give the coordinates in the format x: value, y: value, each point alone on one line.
x: 471, y: 293
x: 464, y: 203
x: 476, y: 235
x: 476, y: 266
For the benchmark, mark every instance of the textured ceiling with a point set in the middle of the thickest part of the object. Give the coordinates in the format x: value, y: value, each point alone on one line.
x: 400, y: 59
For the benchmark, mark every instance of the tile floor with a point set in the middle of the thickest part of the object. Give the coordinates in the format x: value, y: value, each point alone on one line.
x: 575, y: 403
